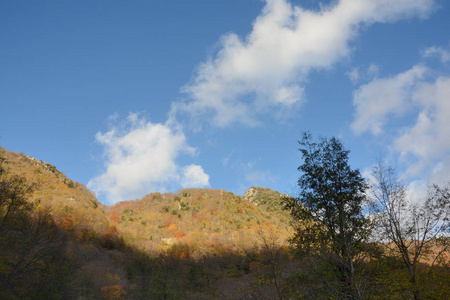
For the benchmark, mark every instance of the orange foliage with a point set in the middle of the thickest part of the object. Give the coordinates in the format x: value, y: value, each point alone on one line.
x: 172, y: 227
x: 184, y: 254
x: 115, y: 218
x: 113, y: 292
x: 180, y: 251
x: 113, y: 230
x: 180, y: 235
x: 68, y: 222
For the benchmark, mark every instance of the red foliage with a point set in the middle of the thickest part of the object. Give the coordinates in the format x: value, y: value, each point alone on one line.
x: 113, y: 230
x: 115, y: 218
x: 180, y: 251
x: 180, y: 235
x: 68, y: 223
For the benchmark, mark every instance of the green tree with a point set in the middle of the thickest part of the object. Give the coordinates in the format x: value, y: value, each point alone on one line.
x: 330, y: 225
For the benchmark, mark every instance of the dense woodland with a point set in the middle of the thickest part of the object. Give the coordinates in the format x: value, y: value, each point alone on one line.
x: 341, y: 238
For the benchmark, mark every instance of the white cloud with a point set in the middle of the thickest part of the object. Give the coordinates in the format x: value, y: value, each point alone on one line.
x: 354, y: 75
x: 266, y: 71
x: 141, y: 158
x: 428, y: 141
x: 194, y: 176
x: 289, y: 95
x: 424, y: 146
x: 372, y: 71
x: 382, y: 97
x: 439, y: 51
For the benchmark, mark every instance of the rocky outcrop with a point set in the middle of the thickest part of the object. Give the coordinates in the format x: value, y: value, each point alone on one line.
x: 260, y: 196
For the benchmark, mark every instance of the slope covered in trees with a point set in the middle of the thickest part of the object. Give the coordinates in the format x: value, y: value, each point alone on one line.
x: 58, y: 242
x: 70, y: 203
x: 206, y: 221
x: 196, y: 244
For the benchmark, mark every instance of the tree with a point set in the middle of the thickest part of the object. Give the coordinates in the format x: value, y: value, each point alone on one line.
x: 271, y: 249
x: 328, y: 211
x: 410, y: 229
x: 32, y: 258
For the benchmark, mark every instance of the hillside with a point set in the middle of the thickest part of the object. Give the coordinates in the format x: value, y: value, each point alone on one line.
x: 195, y: 244
x: 205, y: 219
x: 58, y: 242
x: 208, y: 221
x: 69, y: 202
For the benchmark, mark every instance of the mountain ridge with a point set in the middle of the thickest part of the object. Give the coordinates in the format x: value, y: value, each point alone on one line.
x: 202, y: 218
x: 193, y: 244
x: 61, y: 243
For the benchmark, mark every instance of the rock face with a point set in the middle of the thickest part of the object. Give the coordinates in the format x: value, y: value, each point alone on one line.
x: 169, y: 241
x: 251, y: 195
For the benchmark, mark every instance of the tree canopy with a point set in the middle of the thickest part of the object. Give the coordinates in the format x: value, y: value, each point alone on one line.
x: 329, y: 209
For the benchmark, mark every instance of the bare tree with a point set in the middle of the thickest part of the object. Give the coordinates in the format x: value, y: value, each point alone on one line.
x: 271, y: 248
x: 407, y: 228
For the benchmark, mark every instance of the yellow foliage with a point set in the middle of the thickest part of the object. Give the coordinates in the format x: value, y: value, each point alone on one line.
x: 113, y: 278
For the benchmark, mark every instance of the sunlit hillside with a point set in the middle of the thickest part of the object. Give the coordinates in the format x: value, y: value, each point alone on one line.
x: 207, y: 221
x: 195, y: 244
x: 69, y: 202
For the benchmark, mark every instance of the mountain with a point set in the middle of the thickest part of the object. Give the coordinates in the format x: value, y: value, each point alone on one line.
x: 58, y: 242
x: 205, y: 219
x: 208, y: 221
x: 193, y: 244
x: 68, y: 201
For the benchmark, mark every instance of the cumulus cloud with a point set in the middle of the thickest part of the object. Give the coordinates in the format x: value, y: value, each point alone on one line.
x: 382, y: 97
x: 141, y: 158
x: 266, y: 71
x: 428, y: 140
x: 423, y: 146
x: 194, y: 176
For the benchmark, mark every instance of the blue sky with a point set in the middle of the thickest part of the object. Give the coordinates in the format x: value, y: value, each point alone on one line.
x: 142, y: 96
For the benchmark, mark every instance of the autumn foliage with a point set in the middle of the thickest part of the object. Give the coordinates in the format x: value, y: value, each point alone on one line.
x: 58, y: 242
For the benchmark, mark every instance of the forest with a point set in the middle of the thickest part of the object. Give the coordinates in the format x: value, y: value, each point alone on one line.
x: 342, y: 237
